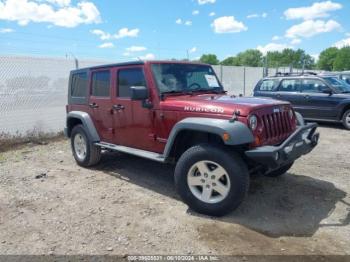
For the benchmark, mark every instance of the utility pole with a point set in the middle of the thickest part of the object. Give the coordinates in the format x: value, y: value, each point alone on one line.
x: 188, y: 54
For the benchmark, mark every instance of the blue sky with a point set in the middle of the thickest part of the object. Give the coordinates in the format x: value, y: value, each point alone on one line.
x: 163, y: 29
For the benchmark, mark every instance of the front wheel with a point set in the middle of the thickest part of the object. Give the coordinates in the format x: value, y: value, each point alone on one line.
x: 346, y: 120
x: 211, y: 180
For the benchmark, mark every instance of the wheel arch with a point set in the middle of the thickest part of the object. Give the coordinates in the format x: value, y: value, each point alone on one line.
x: 78, y: 117
x: 208, y: 130
x: 345, y: 107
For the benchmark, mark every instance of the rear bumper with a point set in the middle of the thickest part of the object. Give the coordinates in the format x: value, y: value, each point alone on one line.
x: 301, y: 142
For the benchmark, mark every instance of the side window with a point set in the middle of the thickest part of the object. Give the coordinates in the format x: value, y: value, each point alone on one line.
x: 79, y: 84
x: 268, y: 85
x: 128, y: 78
x: 100, y: 83
x: 313, y: 86
x: 290, y: 85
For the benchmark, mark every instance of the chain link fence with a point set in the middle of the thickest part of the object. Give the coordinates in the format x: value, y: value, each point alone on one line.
x: 33, y: 90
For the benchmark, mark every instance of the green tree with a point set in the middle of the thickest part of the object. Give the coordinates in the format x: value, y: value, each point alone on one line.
x: 290, y: 57
x: 342, y: 60
x: 250, y: 57
x: 327, y: 58
x: 209, y: 59
x: 231, y: 61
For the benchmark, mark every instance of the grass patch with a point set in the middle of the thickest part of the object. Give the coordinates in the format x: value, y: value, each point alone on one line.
x: 14, y: 141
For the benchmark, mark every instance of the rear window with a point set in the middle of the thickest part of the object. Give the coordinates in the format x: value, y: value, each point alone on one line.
x: 79, y: 85
x: 268, y: 85
x: 101, y: 83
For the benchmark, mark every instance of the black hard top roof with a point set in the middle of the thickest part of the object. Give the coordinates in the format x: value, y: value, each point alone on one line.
x: 135, y: 63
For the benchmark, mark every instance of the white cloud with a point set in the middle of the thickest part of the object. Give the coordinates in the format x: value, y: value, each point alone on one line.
x: 106, y: 45
x: 135, y: 49
x: 272, y: 47
x: 317, y: 10
x: 310, y: 28
x: 103, y: 35
x: 149, y: 56
x: 276, y: 38
x: 126, y: 54
x: 179, y: 21
x: 6, y: 30
x: 188, y: 23
x: 60, y: 2
x: 124, y: 32
x: 252, y: 16
x: 192, y: 50
x: 195, y: 12
x: 212, y: 14
x: 342, y: 43
x: 295, y: 41
x: 203, y: 2
x: 26, y: 11
x: 263, y: 15
x: 228, y: 24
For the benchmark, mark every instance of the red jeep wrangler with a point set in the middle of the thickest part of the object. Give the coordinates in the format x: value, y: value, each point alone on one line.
x: 176, y: 112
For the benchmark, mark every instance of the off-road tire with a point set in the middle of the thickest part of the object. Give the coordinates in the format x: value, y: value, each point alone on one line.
x: 345, y: 120
x: 235, y: 169
x: 93, y: 153
x: 279, y: 172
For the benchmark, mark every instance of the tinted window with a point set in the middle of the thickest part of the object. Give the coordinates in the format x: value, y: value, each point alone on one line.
x: 79, y: 85
x: 313, y: 86
x: 100, y: 83
x: 290, y: 85
x: 128, y: 78
x: 268, y: 85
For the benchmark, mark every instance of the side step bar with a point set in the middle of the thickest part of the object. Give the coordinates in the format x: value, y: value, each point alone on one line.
x: 133, y: 151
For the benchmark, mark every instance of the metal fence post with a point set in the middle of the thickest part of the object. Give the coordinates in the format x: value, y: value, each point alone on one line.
x: 244, y: 81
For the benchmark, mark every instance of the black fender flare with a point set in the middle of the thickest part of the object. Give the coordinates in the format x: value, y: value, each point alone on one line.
x: 239, y: 133
x: 87, y: 123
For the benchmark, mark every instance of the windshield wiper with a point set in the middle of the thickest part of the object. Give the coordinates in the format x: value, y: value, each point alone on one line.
x: 345, y: 92
x: 214, y: 90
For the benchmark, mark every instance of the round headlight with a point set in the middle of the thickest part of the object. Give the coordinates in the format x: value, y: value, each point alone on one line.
x: 291, y: 113
x: 253, y: 122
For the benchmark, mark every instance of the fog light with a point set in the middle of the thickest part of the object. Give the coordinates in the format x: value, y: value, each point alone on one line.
x: 277, y: 156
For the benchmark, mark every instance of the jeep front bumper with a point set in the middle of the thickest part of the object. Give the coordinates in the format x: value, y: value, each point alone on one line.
x: 301, y: 142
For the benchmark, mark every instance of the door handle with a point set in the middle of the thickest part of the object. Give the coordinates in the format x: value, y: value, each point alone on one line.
x: 118, y: 107
x: 278, y: 96
x: 307, y: 96
x: 93, y: 105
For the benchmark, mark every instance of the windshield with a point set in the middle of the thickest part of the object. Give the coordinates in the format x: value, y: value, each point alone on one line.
x: 185, y: 78
x: 339, y: 85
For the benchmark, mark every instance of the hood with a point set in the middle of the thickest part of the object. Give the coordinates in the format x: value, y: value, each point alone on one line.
x: 220, y: 104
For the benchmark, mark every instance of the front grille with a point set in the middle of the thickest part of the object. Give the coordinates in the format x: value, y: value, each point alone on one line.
x: 277, y: 126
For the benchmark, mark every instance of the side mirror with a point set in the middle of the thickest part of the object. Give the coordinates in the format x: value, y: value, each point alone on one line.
x: 139, y: 93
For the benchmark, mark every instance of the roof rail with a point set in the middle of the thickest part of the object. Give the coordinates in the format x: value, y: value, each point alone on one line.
x: 294, y: 74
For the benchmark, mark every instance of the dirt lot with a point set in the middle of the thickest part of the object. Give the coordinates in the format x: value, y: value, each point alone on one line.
x: 128, y: 205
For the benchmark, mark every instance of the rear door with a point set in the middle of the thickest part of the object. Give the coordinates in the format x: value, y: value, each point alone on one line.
x: 100, y: 103
x: 289, y: 90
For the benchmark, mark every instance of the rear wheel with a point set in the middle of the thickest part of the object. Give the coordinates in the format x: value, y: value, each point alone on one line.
x: 346, y: 119
x: 279, y: 172
x: 84, y: 151
x: 211, y: 180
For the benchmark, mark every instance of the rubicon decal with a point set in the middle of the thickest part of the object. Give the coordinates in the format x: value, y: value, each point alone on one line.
x: 204, y: 109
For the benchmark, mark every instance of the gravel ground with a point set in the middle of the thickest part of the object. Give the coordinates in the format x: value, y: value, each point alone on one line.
x: 128, y: 205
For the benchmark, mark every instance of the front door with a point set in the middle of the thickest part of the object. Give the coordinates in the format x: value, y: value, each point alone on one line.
x: 318, y: 104
x: 132, y: 121
x: 100, y: 103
